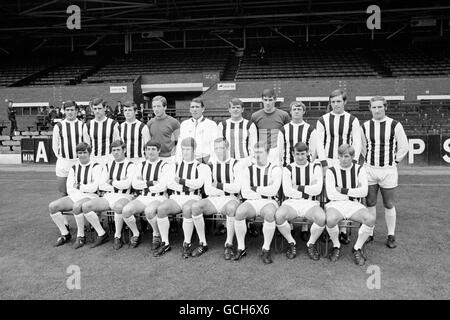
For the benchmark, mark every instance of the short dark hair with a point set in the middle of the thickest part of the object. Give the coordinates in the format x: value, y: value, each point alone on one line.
x: 83, y: 146
x: 199, y: 100
x: 130, y: 104
x: 153, y: 143
x: 338, y: 92
x: 70, y: 103
x: 97, y: 101
x: 343, y: 148
x: 300, y: 147
x: 235, y: 102
x: 118, y: 143
x: 268, y: 93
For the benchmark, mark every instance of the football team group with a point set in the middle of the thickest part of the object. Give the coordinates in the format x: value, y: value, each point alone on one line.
x: 275, y: 166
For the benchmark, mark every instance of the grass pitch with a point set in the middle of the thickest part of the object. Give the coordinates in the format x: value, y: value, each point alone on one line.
x: 31, y: 268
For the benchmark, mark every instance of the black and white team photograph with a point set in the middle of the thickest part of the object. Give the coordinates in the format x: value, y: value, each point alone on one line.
x: 225, y: 158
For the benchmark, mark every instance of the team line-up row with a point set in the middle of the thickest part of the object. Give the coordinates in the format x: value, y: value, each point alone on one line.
x: 238, y: 169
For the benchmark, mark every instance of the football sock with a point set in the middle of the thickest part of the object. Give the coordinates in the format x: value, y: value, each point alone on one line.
x: 268, y: 231
x: 363, y: 234
x: 199, y: 224
x: 79, y: 219
x: 95, y: 222
x: 334, y: 236
x: 188, y: 229
x: 58, y: 219
x: 373, y: 213
x: 154, y: 225
x: 285, y: 230
x: 316, y: 231
x: 390, y: 216
x: 131, y: 223
x: 118, y: 222
x: 230, y: 230
x: 240, y: 227
x: 164, y: 226
x: 66, y: 222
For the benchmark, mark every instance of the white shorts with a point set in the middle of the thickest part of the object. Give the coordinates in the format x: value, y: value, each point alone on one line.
x: 112, y: 198
x: 346, y: 207
x: 301, y: 206
x: 181, y: 199
x: 384, y: 177
x: 146, y: 200
x: 261, y: 203
x: 219, y: 202
x: 103, y: 160
x: 136, y: 161
x: 77, y: 196
x: 63, y: 166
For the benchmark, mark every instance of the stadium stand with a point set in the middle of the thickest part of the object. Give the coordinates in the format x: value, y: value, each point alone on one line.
x: 177, y: 61
x: 412, y: 62
x: 308, y: 63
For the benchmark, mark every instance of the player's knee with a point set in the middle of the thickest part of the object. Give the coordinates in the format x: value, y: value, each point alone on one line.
x: 86, y: 207
x: 118, y: 208
x: 319, y: 216
x: 162, y: 211
x: 331, y: 218
x: 280, y: 215
x: 370, y: 202
x: 52, y: 207
x: 150, y: 212
x: 196, y: 208
x: 388, y: 204
x: 369, y: 219
x: 241, y: 213
x: 187, y: 212
x: 269, y: 215
x: 230, y: 209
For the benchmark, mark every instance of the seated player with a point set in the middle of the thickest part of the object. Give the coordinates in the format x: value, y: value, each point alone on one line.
x: 151, y: 180
x: 116, y: 182
x: 222, y: 187
x: 186, y: 179
x: 82, y: 184
x: 302, y: 181
x: 260, y: 184
x: 346, y: 182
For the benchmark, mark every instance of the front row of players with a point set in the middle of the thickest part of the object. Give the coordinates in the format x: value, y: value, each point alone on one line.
x: 92, y: 188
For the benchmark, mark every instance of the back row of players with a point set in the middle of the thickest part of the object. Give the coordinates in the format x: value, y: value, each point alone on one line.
x: 244, y: 161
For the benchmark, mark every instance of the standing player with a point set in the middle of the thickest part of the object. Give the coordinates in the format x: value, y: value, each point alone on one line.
x: 335, y: 128
x: 299, y: 131
x: 239, y: 132
x: 386, y: 145
x: 222, y: 186
x: 346, y: 183
x: 82, y: 184
x: 269, y: 121
x: 67, y: 134
x: 150, y: 180
x: 302, y: 182
x: 102, y: 131
x: 185, y: 178
x: 260, y: 184
x: 164, y: 129
x: 295, y: 131
x: 116, y: 182
x: 133, y: 133
x: 202, y: 129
